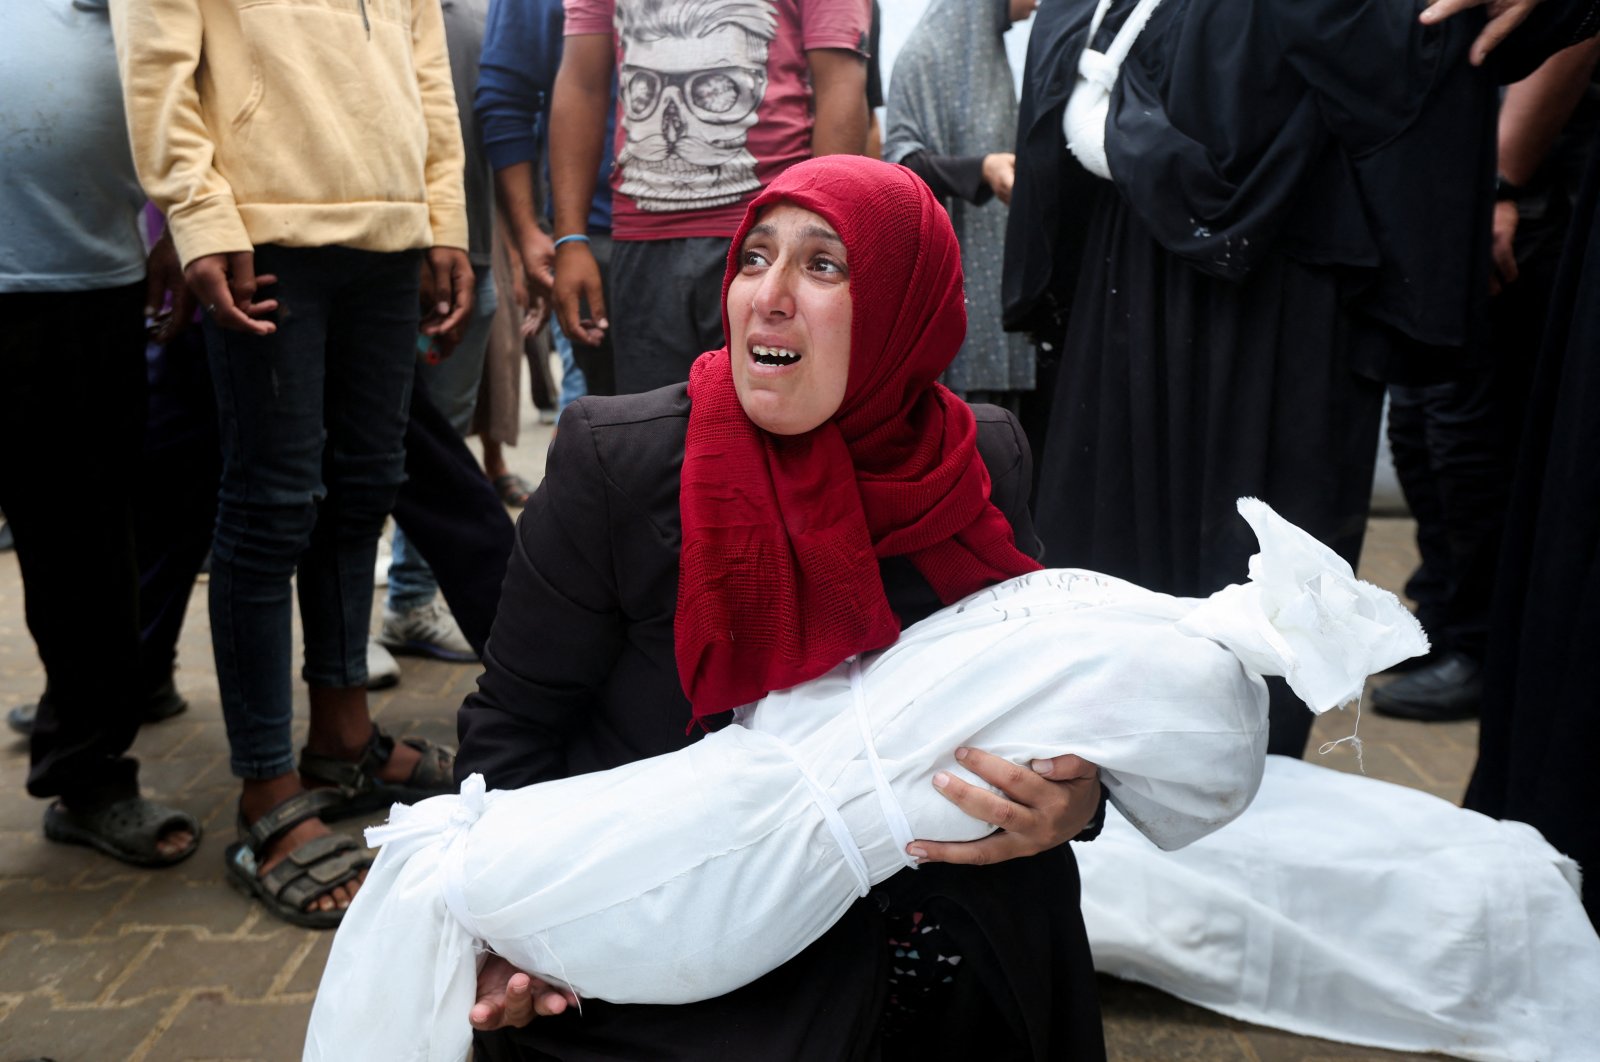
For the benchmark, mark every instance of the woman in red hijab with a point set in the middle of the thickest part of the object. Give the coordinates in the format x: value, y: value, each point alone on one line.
x: 809, y: 493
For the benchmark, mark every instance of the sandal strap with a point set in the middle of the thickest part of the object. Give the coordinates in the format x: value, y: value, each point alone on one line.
x: 351, y: 776
x: 285, y: 817
x: 314, y: 868
x: 436, y: 768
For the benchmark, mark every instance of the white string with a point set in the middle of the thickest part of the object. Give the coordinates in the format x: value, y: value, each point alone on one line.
x: 841, y: 832
x: 1353, y: 737
x: 544, y: 942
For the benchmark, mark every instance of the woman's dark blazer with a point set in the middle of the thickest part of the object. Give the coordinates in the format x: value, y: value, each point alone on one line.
x: 579, y: 676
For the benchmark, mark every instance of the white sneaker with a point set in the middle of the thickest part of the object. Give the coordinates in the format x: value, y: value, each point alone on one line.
x: 380, y: 567
x: 426, y: 631
x: 382, y: 669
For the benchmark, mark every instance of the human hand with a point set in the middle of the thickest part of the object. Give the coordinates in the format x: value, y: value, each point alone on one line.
x: 577, y: 279
x: 1505, y: 258
x: 1504, y: 16
x: 1000, y: 173
x: 509, y: 998
x: 538, y: 254
x: 1051, y: 801
x: 226, y: 285
x: 446, y: 290
x: 164, y: 280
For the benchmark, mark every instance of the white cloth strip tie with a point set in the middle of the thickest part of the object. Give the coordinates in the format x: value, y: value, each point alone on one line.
x: 1083, y: 122
x: 455, y: 890
x: 841, y: 833
x: 893, y: 814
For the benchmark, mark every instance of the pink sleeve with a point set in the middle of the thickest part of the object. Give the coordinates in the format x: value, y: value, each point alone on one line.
x: 829, y: 24
x: 589, y: 16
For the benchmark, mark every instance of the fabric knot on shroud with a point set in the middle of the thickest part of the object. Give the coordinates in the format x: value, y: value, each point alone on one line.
x: 438, y: 818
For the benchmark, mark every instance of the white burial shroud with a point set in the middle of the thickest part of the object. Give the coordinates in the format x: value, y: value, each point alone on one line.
x: 687, y: 875
x: 1351, y: 909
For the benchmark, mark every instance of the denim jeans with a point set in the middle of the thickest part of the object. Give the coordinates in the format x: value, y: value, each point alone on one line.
x: 574, y: 385
x: 311, y: 420
x: 452, y: 385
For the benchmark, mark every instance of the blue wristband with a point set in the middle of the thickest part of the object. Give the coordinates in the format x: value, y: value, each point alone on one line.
x: 577, y: 236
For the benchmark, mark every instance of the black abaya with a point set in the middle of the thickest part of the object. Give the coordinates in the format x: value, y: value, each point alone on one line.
x: 1299, y: 209
x: 1541, y: 700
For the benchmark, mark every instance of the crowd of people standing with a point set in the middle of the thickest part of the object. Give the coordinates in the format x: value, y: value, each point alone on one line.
x: 1188, y: 265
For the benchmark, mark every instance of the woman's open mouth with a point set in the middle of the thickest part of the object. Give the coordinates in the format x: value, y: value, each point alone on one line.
x: 775, y: 356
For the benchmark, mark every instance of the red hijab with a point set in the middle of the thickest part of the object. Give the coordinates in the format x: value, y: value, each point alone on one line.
x: 778, y: 579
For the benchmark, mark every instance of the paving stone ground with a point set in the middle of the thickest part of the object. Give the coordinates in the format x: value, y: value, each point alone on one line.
x: 100, y: 962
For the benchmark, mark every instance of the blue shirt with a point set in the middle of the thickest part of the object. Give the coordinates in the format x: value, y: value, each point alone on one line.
x: 69, y: 198
x: 521, y: 52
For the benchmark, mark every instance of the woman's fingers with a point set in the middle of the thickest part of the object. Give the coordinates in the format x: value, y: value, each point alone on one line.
x: 1038, y: 807
x: 509, y: 998
x: 1504, y: 16
x: 1067, y: 768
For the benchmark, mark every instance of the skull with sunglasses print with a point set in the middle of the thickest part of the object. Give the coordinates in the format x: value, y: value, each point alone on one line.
x: 692, y: 77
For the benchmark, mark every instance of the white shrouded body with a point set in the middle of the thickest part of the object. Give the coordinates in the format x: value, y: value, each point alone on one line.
x: 687, y: 875
x: 1355, y: 910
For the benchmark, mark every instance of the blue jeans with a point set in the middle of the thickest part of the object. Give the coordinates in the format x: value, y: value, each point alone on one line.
x: 574, y: 385
x: 452, y: 386
x: 311, y: 419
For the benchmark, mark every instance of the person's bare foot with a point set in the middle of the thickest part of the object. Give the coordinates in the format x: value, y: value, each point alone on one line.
x: 341, y: 727
x: 174, y: 843
x: 262, y: 796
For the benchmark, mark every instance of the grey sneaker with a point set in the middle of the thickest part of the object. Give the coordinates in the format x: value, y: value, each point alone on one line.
x: 382, y: 670
x: 429, y: 630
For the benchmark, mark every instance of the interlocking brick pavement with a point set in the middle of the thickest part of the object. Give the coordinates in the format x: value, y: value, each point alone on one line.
x: 100, y: 962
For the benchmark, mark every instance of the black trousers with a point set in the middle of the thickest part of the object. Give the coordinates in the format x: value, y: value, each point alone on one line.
x: 452, y: 514
x: 176, y: 508
x: 73, y: 406
x: 1455, y: 445
x: 1454, y: 477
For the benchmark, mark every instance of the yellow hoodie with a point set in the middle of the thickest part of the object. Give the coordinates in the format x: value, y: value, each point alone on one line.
x: 306, y: 123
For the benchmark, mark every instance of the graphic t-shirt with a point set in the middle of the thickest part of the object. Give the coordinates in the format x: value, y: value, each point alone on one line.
x: 713, y: 101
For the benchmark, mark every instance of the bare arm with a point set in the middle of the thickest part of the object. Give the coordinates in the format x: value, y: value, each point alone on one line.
x: 535, y: 255
x: 1537, y: 108
x: 578, y: 106
x: 839, y: 88
x: 1533, y: 114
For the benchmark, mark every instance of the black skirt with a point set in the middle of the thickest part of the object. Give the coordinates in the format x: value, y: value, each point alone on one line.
x: 1180, y: 392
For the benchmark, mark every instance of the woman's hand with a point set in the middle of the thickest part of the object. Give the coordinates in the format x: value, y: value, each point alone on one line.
x: 1000, y: 173
x: 1504, y: 16
x: 509, y: 998
x: 1051, y: 801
